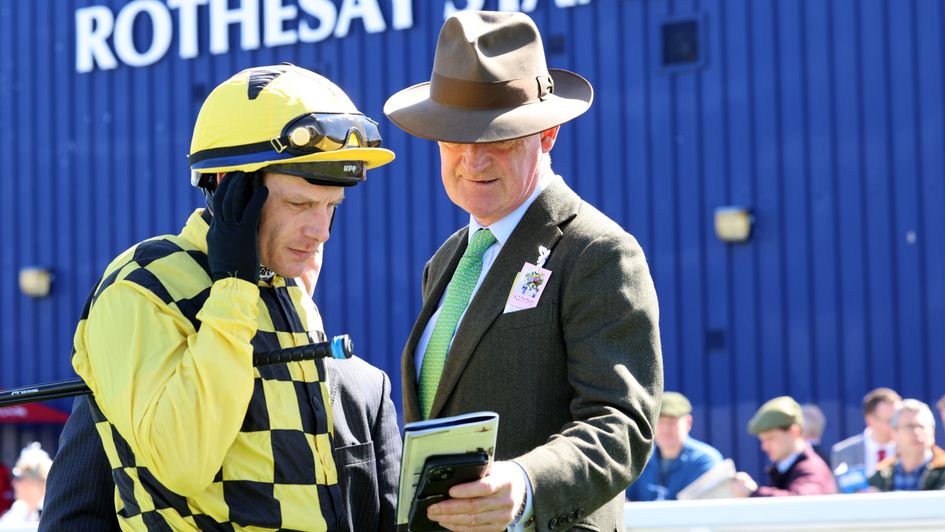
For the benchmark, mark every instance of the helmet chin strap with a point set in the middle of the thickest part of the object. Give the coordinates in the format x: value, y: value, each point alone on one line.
x: 208, y: 199
x: 207, y: 183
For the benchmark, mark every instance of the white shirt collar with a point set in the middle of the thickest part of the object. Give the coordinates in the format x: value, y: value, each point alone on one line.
x: 503, y: 228
x: 872, y: 446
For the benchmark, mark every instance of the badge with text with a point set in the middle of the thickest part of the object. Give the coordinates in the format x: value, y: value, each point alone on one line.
x: 527, y: 288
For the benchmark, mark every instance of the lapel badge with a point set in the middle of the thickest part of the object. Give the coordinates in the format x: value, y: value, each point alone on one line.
x: 543, y: 253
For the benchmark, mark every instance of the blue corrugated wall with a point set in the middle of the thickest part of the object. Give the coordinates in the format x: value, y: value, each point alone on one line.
x: 825, y: 117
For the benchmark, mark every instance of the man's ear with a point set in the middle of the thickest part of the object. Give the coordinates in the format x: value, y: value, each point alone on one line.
x: 548, y: 138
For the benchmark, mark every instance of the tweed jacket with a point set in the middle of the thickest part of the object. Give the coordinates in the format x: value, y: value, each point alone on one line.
x: 577, y: 380
x: 80, y: 493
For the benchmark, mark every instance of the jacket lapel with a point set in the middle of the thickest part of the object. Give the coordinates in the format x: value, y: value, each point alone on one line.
x: 434, y: 286
x: 538, y: 227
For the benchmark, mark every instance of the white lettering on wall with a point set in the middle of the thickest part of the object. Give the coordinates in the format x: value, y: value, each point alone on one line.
x: 403, y: 14
x: 101, y: 34
x: 366, y: 10
x: 525, y: 6
x: 275, y: 15
x: 246, y: 16
x: 160, y: 35
x: 187, y: 32
x: 325, y: 12
x: 93, y: 25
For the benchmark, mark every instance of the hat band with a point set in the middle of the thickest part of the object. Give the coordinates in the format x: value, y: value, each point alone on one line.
x: 489, y: 95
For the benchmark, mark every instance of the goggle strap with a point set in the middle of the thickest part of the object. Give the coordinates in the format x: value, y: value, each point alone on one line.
x: 231, y: 151
x: 331, y: 174
x: 332, y: 182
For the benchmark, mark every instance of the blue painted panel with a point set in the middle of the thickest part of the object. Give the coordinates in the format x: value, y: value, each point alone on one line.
x: 24, y: 142
x: 819, y: 60
x: 767, y: 170
x: 742, y: 320
x: 396, y: 191
x: 689, y: 182
x: 795, y: 202
x: 715, y: 412
x: 878, y: 200
x: 664, y: 254
x: 930, y: 32
x: 633, y: 140
x: 906, y: 207
x: 64, y: 189
x: 610, y: 192
x: 8, y: 222
x: 825, y: 117
x: 851, y: 210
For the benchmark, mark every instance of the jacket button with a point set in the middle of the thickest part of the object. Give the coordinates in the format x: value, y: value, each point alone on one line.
x: 580, y: 513
x: 553, y: 524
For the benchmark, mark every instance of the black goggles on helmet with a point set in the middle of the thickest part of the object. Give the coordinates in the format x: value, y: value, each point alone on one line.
x: 304, y: 135
x: 320, y: 132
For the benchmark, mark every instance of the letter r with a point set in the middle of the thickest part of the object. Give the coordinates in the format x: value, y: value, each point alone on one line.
x: 93, y: 27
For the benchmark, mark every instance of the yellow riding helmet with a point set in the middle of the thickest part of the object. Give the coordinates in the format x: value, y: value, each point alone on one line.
x: 281, y: 114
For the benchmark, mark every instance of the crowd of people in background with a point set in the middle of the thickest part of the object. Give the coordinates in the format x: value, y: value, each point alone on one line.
x: 896, y: 451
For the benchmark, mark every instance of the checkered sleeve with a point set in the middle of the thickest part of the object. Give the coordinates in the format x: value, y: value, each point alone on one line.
x: 162, y: 382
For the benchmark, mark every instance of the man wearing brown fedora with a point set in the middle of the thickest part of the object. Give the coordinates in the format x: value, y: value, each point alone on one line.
x: 541, y: 309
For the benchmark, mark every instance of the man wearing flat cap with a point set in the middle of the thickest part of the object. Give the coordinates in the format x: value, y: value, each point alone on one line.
x: 678, y: 459
x: 541, y: 309
x: 796, y: 469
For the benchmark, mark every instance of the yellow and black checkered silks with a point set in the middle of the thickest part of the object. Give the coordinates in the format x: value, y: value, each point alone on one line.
x: 278, y: 473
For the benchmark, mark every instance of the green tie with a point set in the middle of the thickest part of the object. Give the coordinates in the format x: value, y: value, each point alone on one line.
x: 454, y: 304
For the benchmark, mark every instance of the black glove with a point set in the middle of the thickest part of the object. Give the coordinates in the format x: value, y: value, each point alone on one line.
x: 232, y: 247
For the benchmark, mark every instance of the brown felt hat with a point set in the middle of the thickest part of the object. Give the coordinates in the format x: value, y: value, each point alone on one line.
x: 490, y: 82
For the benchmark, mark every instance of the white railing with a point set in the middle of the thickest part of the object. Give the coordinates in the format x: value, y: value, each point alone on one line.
x: 18, y: 528
x: 901, y: 511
